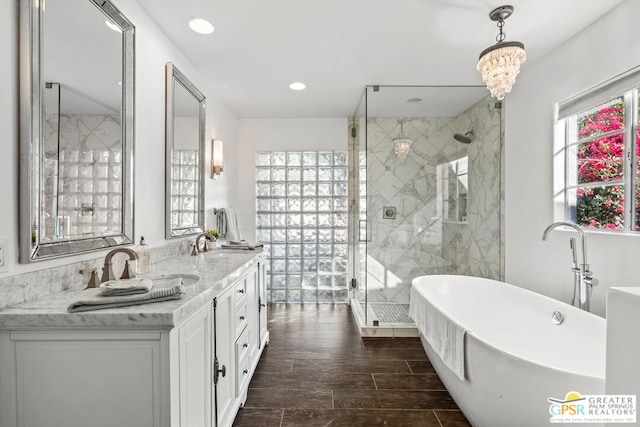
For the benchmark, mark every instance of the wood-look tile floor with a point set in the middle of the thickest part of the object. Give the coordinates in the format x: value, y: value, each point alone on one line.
x: 318, y: 371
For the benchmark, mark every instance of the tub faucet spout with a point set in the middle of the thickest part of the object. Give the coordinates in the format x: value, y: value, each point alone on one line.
x: 583, y: 277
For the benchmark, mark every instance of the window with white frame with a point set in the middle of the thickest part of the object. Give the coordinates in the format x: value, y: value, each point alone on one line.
x: 596, y: 156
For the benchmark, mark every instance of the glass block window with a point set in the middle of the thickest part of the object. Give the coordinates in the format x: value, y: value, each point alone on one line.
x: 184, y: 192
x: 88, y: 186
x: 302, y: 207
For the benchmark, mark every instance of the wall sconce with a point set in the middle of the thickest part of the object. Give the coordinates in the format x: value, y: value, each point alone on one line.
x: 217, y: 159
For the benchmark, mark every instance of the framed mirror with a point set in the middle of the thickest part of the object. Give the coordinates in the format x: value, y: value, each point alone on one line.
x: 76, y: 128
x: 185, y: 130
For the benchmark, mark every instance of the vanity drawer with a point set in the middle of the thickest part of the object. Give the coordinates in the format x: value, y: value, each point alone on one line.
x: 243, y: 375
x: 243, y: 369
x: 240, y: 290
x: 242, y: 345
x: 240, y: 319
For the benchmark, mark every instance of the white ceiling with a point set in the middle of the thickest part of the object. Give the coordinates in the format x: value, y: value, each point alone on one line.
x: 337, y: 47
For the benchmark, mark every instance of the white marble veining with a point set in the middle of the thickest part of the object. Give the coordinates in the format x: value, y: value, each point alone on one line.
x: 419, y: 240
x: 33, y: 285
x: 221, y: 269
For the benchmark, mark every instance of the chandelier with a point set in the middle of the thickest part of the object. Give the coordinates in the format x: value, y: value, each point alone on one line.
x: 402, y: 145
x: 500, y: 63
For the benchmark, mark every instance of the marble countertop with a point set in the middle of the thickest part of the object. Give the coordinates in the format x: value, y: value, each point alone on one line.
x: 222, y: 269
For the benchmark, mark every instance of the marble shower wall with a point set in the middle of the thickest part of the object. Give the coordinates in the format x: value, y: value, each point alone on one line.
x: 419, y: 240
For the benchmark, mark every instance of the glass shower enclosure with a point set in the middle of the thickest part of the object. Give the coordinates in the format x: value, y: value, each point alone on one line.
x: 426, y: 195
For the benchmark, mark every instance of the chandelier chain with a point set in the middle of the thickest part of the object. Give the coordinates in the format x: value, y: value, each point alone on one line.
x: 501, y: 36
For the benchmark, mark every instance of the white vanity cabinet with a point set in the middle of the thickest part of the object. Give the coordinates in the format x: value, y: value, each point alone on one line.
x: 261, y: 291
x: 80, y: 378
x: 193, y: 374
x: 194, y: 355
x: 225, y: 406
x: 240, y: 338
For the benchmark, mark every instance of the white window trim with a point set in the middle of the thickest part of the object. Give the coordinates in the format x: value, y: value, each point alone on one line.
x: 626, y: 84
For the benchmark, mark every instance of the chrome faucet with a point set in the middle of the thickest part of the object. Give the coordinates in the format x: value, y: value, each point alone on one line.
x: 582, y: 276
x: 127, y: 273
x: 196, y: 246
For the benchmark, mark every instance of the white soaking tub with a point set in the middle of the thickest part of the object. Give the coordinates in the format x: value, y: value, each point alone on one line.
x: 513, y: 356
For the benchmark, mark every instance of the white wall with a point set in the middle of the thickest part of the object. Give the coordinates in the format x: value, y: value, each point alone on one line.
x: 279, y: 135
x: 153, y: 51
x: 9, y: 124
x: 601, y: 51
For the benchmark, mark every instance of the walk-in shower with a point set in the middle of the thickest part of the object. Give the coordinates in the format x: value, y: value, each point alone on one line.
x: 432, y: 206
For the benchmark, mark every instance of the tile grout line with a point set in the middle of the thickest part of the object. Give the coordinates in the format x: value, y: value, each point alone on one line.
x: 375, y: 384
x: 333, y: 405
x: 437, y: 418
x: 409, y: 366
x: 282, y: 418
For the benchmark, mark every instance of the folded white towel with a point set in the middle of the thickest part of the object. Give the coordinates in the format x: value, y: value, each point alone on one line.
x: 243, y: 246
x: 125, y: 287
x: 445, y: 336
x: 168, y: 289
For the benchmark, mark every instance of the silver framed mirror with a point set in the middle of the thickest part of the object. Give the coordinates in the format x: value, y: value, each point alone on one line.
x: 185, y: 148
x: 76, y: 128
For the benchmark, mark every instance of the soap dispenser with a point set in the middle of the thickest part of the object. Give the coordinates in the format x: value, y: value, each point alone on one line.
x: 143, y: 265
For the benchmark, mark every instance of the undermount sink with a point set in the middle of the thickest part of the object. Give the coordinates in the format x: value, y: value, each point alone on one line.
x: 187, y: 279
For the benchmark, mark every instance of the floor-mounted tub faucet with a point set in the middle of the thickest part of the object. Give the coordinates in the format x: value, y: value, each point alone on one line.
x: 582, y: 276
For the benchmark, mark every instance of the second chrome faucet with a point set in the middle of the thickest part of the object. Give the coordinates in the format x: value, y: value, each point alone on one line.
x: 583, y: 277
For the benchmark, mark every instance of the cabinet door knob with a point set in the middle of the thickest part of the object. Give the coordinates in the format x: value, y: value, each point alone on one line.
x: 217, y: 370
x: 241, y: 317
x: 241, y: 291
x: 246, y: 371
x: 245, y: 345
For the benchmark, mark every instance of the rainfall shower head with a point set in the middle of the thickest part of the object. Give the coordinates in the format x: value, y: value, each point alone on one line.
x: 465, y: 139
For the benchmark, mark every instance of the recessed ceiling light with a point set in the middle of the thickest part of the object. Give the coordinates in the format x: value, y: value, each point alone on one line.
x: 297, y: 86
x: 201, y: 26
x: 113, y: 26
x: 414, y: 100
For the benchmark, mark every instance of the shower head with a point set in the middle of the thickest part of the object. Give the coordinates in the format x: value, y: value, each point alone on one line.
x: 465, y: 139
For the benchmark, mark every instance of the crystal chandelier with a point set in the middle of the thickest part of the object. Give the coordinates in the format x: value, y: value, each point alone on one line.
x: 500, y: 63
x: 402, y: 145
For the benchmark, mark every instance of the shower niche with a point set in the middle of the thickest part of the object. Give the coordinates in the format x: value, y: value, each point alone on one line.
x: 435, y: 154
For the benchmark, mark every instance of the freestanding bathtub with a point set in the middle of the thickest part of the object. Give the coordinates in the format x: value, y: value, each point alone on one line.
x: 515, y: 356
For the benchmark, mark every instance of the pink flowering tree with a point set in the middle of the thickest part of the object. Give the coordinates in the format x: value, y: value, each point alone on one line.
x: 601, y: 160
